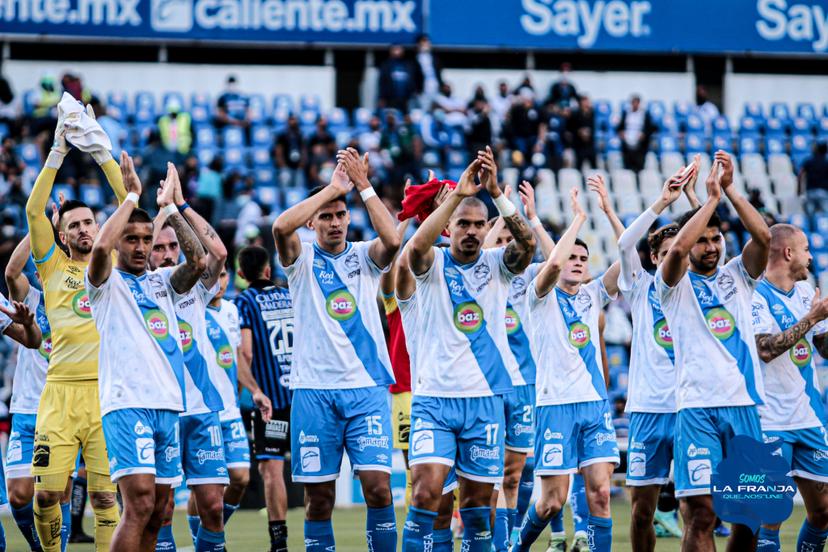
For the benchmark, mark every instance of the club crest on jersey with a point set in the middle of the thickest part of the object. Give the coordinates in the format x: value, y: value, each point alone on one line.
x: 224, y: 357
x: 468, y: 317
x: 341, y: 305
x: 81, y: 304
x: 579, y: 335
x: 185, y: 331
x: 45, y: 348
x: 662, y: 334
x: 721, y: 323
x: 801, y: 353
x: 512, y: 321
x: 157, y: 324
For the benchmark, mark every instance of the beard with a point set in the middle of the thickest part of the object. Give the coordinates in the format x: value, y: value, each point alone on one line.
x: 702, y: 264
x: 166, y: 262
x: 82, y: 248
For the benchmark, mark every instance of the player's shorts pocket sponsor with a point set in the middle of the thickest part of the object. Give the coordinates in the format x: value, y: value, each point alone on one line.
x: 145, y: 450
x: 405, y: 432
x: 552, y: 455
x: 40, y: 456
x: 15, y: 452
x: 276, y: 429
x: 699, y: 471
x: 422, y: 442
x: 310, y: 459
x: 638, y: 464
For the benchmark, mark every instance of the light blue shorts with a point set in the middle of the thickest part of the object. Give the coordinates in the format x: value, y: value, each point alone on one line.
x: 805, y: 450
x: 202, y: 450
x: 520, y: 419
x: 21, y: 444
x: 650, y: 450
x: 236, y: 446
x: 143, y: 440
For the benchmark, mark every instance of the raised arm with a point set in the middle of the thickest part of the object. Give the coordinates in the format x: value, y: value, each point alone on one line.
x: 674, y: 265
x: 246, y: 379
x: 40, y: 230
x: 421, y: 255
x: 185, y: 275
x: 16, y: 281
x: 493, y: 233
x: 610, y: 278
x: 24, y: 328
x: 100, y: 263
x: 385, y: 246
x: 596, y: 184
x: 285, y: 226
x: 690, y: 187
x: 388, y: 279
x: 755, y: 252
x: 521, y: 249
x: 551, y: 269
x: 545, y: 241
x: 209, y: 238
x: 770, y: 346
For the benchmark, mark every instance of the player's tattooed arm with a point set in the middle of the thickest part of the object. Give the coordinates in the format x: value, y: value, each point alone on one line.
x: 186, y: 275
x: 100, y: 262
x: 521, y: 249
x: 770, y: 346
x: 216, y: 251
x: 675, y: 263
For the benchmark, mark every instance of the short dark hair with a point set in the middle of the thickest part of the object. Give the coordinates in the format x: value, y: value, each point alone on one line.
x: 70, y: 205
x: 656, y: 238
x: 582, y: 243
x: 139, y: 215
x: 714, y: 222
x: 316, y: 189
x: 252, y: 261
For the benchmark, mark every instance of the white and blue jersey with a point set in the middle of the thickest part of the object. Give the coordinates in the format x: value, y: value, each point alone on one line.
x: 224, y: 341
x: 466, y: 333
x: 267, y: 311
x: 339, y: 340
x: 710, y: 322
x: 792, y: 397
x: 518, y: 333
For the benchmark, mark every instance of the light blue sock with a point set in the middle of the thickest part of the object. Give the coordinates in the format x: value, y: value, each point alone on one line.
x: 512, y: 518
x: 599, y: 531
x: 319, y: 536
x: 811, y: 538
x: 195, y: 523
x: 527, y: 484
x: 768, y: 540
x: 229, y: 510
x: 500, y: 539
x: 477, y: 530
x: 532, y: 527
x: 65, y: 525
x: 209, y: 541
x: 578, y: 503
x: 381, y: 529
x: 556, y: 523
x: 24, y: 518
x: 418, y: 533
x: 443, y: 540
x: 165, y: 542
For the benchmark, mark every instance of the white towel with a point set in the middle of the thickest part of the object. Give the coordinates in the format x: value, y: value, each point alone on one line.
x: 82, y: 130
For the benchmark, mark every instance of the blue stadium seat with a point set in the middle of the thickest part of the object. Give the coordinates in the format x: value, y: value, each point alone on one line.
x: 695, y: 142
x: 749, y: 126
x: 431, y: 159
x: 667, y: 143
x: 774, y: 144
x: 779, y: 110
x: 309, y: 102
x: 359, y: 218
x: 822, y: 129
x: 682, y: 110
x: 657, y: 110
x: 754, y: 110
x: 267, y: 195
x: 776, y: 127
x: 200, y: 114
x: 694, y: 123
x: 817, y: 242
x: 721, y: 124
x: 282, y: 102
x: 29, y: 101
x: 457, y: 158
x: 806, y: 111
x: 821, y: 262
x: 170, y: 97
x: 66, y: 189
x: 343, y: 138
x: 617, y: 357
x: 801, y: 125
x: 200, y: 99
x: 603, y: 113
x: 91, y: 195
x: 232, y: 137
x: 337, y: 119
x: 4, y: 130
x: 265, y: 176
x: 307, y: 120
x: 205, y: 136
x: 748, y: 144
x: 261, y: 135
x: 295, y: 195
x: 234, y: 158
x: 800, y: 220
x: 821, y: 223
x: 668, y: 124
x: 29, y: 154
x: 722, y: 142
x: 362, y: 116
x: 280, y: 118
x: 206, y: 154
x: 144, y: 101
x: 261, y: 157
x: 118, y: 100
x: 801, y: 144
x: 258, y: 108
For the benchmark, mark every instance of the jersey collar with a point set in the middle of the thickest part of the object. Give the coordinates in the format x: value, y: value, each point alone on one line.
x: 348, y: 246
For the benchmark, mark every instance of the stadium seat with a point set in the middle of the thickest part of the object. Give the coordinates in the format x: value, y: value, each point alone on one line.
x: 295, y: 195
x: 29, y: 154
x: 752, y: 163
x: 801, y: 125
x: 265, y: 176
x: 748, y: 145
x: 261, y: 156
x: 695, y: 142
x: 822, y: 129
x: 206, y: 155
x: 258, y: 108
x: 282, y: 102
x: 200, y: 114
x: 806, y: 111
x: 721, y: 124
x: 800, y: 149
x: 144, y: 103
x: 29, y: 101
x: 821, y: 223
x: 232, y: 137
x: 91, y: 195
x: 749, y: 126
x: 779, y: 110
x: 338, y: 119
x: 650, y: 183
x: 785, y: 185
x: 118, y: 100
x: 261, y: 135
x: 234, y: 158
x: 667, y: 143
x: 774, y: 146
x: 754, y: 110
x: 779, y: 163
x: 567, y: 178
x: 205, y: 136
x: 817, y: 242
x: 622, y: 182
x: 267, y: 195
x: 170, y: 98
x: 722, y: 142
x: 67, y: 190
x: 309, y: 102
x: 776, y: 127
x: 671, y: 162
x: 800, y: 220
x: 694, y: 123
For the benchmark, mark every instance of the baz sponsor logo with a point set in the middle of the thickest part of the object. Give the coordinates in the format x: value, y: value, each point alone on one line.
x: 185, y: 331
x: 512, y: 321
x: 468, y: 317
x: 638, y: 464
x: 45, y: 348
x: 224, y: 357
x: 721, y: 323
x: 81, y: 304
x: 579, y: 335
x: 341, y: 305
x: 309, y: 457
x: 801, y: 353
x: 662, y: 335
x: 157, y: 324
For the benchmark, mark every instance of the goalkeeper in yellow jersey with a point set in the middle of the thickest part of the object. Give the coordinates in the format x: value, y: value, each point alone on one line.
x: 69, y: 416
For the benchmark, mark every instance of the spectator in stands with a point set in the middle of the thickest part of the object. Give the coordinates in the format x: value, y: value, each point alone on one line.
x: 397, y: 81
x: 452, y: 108
x: 370, y: 140
x: 9, y: 107
x: 110, y: 124
x: 9, y: 238
x: 401, y: 143
x: 479, y: 132
x: 233, y: 107
x: 707, y: 109
x: 44, y: 113
x: 525, y: 84
x: 428, y: 72
x: 153, y: 169
x: 290, y: 154
x: 524, y: 128
x: 321, y: 149
x: 502, y: 101
x: 73, y: 84
x: 580, y: 131
x: 563, y: 97
x: 176, y: 129
x: 10, y: 162
x: 813, y: 179
x: 249, y: 215
x: 209, y: 188
x: 635, y: 129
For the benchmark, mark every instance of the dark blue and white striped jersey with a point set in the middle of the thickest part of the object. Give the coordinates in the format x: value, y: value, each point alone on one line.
x: 267, y: 311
